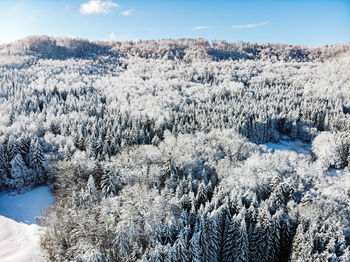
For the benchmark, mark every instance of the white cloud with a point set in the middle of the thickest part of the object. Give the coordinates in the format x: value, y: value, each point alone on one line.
x: 97, y: 7
x: 127, y: 12
x: 250, y: 25
x: 200, y: 27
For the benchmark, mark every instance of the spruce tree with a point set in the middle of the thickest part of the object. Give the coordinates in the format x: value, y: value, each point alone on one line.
x: 171, y: 255
x: 201, y: 197
x: 195, y: 249
x: 36, y: 158
x: 182, y: 247
x: 204, y: 237
x: 265, y: 233
x: 20, y: 174
x: 216, y: 232
x: 12, y: 148
x: 110, y: 183
x: 241, y: 246
x: 231, y: 234
x: 4, y: 166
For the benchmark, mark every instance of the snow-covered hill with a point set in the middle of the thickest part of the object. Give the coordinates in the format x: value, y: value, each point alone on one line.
x: 19, y: 242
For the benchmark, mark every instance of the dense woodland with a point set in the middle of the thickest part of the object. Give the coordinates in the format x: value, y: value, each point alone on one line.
x: 155, y: 150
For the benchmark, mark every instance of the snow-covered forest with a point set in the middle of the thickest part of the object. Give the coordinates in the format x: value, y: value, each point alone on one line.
x: 159, y: 150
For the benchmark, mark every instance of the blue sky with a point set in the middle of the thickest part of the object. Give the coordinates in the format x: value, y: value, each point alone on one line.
x: 307, y: 22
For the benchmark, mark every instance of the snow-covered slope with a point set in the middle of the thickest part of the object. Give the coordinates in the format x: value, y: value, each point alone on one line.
x: 19, y: 242
x: 19, y: 234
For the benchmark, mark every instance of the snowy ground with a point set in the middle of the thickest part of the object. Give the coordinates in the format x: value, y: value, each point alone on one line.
x: 19, y: 242
x: 19, y: 234
x: 296, y: 146
x: 25, y: 207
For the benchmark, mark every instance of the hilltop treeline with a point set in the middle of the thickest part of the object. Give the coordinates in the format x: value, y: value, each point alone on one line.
x: 180, y: 49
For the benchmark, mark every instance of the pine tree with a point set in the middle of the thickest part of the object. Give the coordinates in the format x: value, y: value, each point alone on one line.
x: 182, y: 247
x: 285, y: 227
x: 171, y: 255
x: 170, y: 231
x: 204, y: 238
x: 89, y: 193
x: 4, y: 166
x: 169, y: 170
x: 183, y: 221
x: 201, y: 197
x: 216, y: 233
x: 24, y: 144
x: 195, y: 249
x: 97, y: 173
x: 241, y: 246
x: 265, y: 233
x: 136, y: 252
x: 20, y: 174
x: 110, y: 183
x: 302, y: 245
x: 92, y: 254
x: 12, y: 148
x: 253, y: 240
x: 231, y: 234
x: 36, y: 156
x: 155, y: 255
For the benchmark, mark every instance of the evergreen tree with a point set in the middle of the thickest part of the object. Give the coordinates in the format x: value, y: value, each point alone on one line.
x: 265, y: 233
x: 4, y: 167
x: 171, y: 255
x: 20, y: 174
x: 3, y: 157
x: 36, y: 159
x: 285, y: 226
x: 302, y: 245
x: 204, y: 240
x: 169, y: 170
x: 231, y: 235
x: 12, y: 148
x: 89, y: 193
x: 216, y: 233
x: 201, y: 197
x: 241, y: 246
x: 170, y: 231
x: 195, y: 249
x: 182, y: 247
x: 110, y: 183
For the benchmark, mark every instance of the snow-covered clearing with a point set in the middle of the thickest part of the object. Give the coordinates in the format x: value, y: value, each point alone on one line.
x: 19, y: 235
x: 25, y: 207
x: 296, y: 146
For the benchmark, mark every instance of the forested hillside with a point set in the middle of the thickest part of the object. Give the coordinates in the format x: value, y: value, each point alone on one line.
x: 154, y: 150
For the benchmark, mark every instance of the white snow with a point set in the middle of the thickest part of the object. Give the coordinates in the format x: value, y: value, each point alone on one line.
x: 19, y: 242
x: 19, y: 235
x: 25, y: 207
x: 296, y: 146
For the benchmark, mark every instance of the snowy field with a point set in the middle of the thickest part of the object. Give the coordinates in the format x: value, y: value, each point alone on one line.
x: 19, y: 233
x: 296, y: 146
x: 25, y: 207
